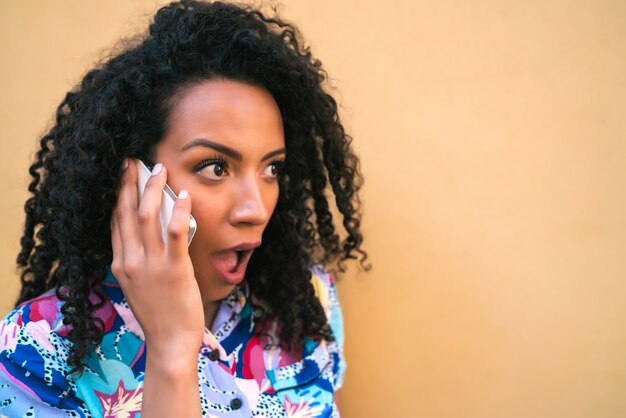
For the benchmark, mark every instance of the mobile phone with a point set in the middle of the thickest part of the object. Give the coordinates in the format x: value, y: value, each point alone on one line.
x: 167, y: 201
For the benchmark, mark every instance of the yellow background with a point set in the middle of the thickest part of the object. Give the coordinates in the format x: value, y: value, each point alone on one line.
x: 492, y: 137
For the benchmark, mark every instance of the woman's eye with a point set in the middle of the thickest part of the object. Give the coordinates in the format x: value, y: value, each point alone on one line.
x: 272, y: 169
x: 214, y: 170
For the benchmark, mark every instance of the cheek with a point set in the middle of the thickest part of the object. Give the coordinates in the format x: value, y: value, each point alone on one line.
x: 271, y: 199
x: 209, y: 212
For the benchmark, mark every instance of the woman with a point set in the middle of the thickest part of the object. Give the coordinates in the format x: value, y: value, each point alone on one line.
x: 228, y: 108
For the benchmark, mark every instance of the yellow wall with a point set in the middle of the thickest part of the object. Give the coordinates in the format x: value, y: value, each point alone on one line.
x: 492, y: 136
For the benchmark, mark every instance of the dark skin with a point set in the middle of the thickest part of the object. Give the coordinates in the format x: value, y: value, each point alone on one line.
x: 174, y: 291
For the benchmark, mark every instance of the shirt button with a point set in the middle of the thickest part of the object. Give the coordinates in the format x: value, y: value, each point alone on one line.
x: 235, y: 403
x: 214, y: 355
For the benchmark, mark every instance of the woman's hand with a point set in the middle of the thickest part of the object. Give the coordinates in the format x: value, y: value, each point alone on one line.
x: 157, y: 279
x: 160, y: 287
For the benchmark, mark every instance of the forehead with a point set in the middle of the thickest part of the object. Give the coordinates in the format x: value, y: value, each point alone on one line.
x: 230, y: 112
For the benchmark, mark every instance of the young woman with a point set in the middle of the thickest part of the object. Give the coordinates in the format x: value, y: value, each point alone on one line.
x: 228, y: 107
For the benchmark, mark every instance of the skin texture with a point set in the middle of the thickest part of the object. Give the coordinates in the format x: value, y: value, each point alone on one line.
x: 235, y: 207
x: 174, y: 291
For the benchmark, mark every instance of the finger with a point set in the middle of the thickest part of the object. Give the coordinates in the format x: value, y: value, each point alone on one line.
x: 149, y: 209
x: 178, y: 228
x: 128, y: 226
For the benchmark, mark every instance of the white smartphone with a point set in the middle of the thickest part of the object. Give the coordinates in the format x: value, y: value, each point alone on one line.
x: 167, y: 202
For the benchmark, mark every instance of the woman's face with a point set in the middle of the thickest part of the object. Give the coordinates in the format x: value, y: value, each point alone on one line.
x: 224, y: 143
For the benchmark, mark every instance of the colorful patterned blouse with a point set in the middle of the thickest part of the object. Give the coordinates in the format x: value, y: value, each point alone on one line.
x: 240, y: 374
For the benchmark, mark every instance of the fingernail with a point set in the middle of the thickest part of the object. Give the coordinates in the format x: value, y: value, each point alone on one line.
x: 125, y: 164
x: 157, y: 169
x: 183, y: 194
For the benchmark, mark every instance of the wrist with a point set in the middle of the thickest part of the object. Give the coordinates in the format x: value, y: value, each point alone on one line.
x: 172, y: 355
x: 171, y: 364
x: 171, y: 383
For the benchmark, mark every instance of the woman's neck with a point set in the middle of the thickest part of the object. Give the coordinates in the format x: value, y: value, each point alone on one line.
x: 210, y: 311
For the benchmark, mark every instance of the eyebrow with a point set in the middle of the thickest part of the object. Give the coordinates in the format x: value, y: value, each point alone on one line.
x: 202, y: 142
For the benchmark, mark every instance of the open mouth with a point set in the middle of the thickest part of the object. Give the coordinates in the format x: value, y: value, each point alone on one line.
x: 230, y: 265
x: 241, y: 256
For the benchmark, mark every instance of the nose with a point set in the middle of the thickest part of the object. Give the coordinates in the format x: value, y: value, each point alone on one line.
x: 249, y: 206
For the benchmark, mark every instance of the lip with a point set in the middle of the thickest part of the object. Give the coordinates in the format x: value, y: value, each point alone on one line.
x: 222, y: 262
x: 244, y: 246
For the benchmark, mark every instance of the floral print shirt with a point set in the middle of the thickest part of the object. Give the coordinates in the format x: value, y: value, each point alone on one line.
x: 240, y: 373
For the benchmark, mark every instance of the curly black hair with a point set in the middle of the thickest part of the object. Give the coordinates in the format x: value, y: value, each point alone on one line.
x: 120, y: 109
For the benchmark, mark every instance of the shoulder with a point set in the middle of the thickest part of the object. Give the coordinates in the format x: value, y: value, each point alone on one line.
x: 32, y: 356
x: 324, y: 284
x: 321, y: 274
x: 34, y: 348
x: 40, y: 318
x: 37, y: 317
x: 33, y: 333
x: 325, y: 289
